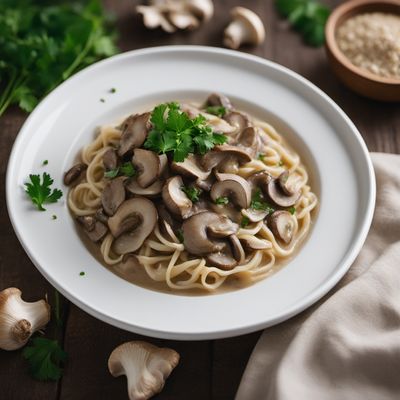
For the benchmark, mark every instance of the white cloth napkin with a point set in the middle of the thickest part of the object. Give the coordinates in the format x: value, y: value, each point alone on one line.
x: 347, y: 346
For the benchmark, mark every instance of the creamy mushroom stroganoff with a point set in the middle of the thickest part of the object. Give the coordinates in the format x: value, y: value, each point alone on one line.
x: 192, y: 197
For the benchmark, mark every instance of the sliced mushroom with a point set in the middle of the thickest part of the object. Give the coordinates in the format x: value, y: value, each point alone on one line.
x: 229, y: 166
x: 87, y: 221
x: 132, y: 224
x: 113, y: 195
x: 254, y: 215
x: 175, y: 199
x: 284, y: 184
x: 219, y: 100
x: 282, y: 225
x: 229, y: 210
x: 237, y: 249
x: 190, y: 168
x: 196, y: 230
x: 166, y: 217
x: 281, y: 199
x: 233, y: 186
x: 134, y: 132
x: 206, y: 184
x: 237, y: 119
x: 260, y: 180
x: 152, y: 190
x: 148, y: 166
x: 249, y: 140
x: 94, y: 229
x: 74, y: 173
x: 221, y: 260
x: 110, y: 160
x: 101, y: 216
x: 254, y: 243
x: 222, y: 153
x: 163, y: 164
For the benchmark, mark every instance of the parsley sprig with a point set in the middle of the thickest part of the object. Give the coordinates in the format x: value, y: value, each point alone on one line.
x: 126, y: 169
x: 174, y: 132
x: 40, y: 192
x: 192, y: 193
x: 219, y: 111
x: 223, y: 200
x: 308, y: 17
x: 258, y: 203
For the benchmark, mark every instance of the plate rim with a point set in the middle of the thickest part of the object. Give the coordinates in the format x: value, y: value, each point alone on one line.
x: 306, y: 301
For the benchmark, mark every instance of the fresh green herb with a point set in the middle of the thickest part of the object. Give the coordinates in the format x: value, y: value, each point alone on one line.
x: 54, y: 216
x: 222, y: 200
x: 261, y: 156
x: 112, y: 173
x: 45, y: 358
x: 179, y: 235
x: 102, y: 100
x: 82, y: 273
x: 192, y: 193
x: 216, y: 110
x: 113, y: 90
x: 292, y: 210
x: 245, y: 221
x: 308, y: 17
x: 44, y: 43
x: 126, y: 169
x: 174, y: 132
x: 45, y: 162
x: 258, y: 203
x: 40, y: 192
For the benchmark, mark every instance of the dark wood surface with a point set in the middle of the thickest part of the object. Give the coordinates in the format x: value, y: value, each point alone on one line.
x: 208, y: 369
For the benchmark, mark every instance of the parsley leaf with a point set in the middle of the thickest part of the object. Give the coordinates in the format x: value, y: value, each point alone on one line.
x: 222, y: 200
x: 126, y: 169
x: 292, y: 210
x: 173, y: 131
x: 192, y: 193
x: 40, y: 192
x: 179, y: 235
x: 245, y: 221
x: 216, y: 110
x: 260, y: 156
x: 45, y: 358
x: 308, y: 17
x: 112, y: 173
x: 258, y: 203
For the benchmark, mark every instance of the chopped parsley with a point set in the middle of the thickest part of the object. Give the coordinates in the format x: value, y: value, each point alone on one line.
x: 54, y: 216
x: 223, y: 200
x: 292, y: 210
x: 174, y: 132
x: 245, y: 221
x: 261, y: 156
x: 82, y: 273
x: 280, y: 163
x: 45, y: 162
x: 216, y: 110
x: 192, y: 193
x: 45, y: 358
x: 113, y: 90
x: 258, y: 203
x: 179, y: 235
x: 40, y: 192
x: 126, y: 169
x: 102, y: 100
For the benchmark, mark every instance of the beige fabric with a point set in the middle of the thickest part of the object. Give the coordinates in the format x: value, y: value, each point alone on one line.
x: 347, y: 346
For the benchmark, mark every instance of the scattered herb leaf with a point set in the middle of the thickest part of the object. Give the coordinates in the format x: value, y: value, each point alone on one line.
x: 223, y: 200
x: 261, y: 156
x: 216, y: 110
x: 292, y: 210
x: 245, y: 221
x: 82, y: 273
x: 54, y: 216
x: 258, y: 203
x: 308, y: 17
x: 40, y: 192
x: 126, y: 169
x: 192, y: 193
x: 113, y: 90
x: 45, y: 358
x: 45, y: 162
x: 112, y: 173
x: 179, y: 235
x: 102, y: 100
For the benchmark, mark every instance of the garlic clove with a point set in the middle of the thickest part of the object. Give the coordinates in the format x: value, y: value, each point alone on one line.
x: 20, y: 319
x: 146, y: 367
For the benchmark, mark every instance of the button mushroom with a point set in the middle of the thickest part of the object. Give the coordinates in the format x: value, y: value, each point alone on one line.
x: 110, y: 160
x: 196, y: 231
x: 221, y: 260
x: 279, y: 197
x: 133, y: 222
x: 254, y: 243
x: 260, y: 180
x: 254, y: 215
x: 148, y: 166
x: 249, y: 140
x: 246, y: 28
x: 190, y: 168
x: 222, y: 153
x: 113, y: 195
x: 175, y: 199
x: 152, y: 190
x: 282, y: 225
x: 74, y: 173
x: 146, y: 367
x: 93, y: 228
x: 134, y: 132
x: 284, y: 184
x: 237, y: 249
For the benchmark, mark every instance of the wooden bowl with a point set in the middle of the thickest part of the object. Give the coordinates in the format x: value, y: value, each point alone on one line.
x: 357, y: 79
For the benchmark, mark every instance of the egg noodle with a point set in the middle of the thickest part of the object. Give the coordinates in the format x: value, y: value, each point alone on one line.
x: 163, y: 256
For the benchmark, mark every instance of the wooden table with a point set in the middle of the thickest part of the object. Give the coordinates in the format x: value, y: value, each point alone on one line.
x: 208, y: 369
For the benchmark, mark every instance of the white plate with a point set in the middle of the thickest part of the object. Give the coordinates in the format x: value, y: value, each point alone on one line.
x: 312, y: 122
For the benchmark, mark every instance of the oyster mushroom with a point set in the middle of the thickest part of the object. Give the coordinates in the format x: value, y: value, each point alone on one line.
x: 246, y: 28
x: 134, y: 132
x: 133, y: 222
x: 282, y: 225
x: 190, y: 168
x: 198, y: 228
x: 148, y: 166
x: 74, y: 173
x: 113, y: 195
x: 175, y: 199
x: 110, y: 159
x: 93, y: 228
x: 279, y: 197
x: 234, y: 187
x: 146, y: 367
x: 20, y: 319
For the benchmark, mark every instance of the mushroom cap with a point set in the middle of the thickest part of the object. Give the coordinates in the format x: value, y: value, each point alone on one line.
x: 93, y: 228
x: 282, y: 225
x: 254, y: 243
x: 74, y: 173
x: 190, y: 168
x: 113, y: 195
x: 183, y: 19
x: 254, y: 215
x: 110, y: 159
x: 221, y: 260
x: 233, y: 186
x: 152, y: 190
x: 281, y: 199
x: 246, y: 27
x: 237, y: 249
x: 203, y: 9
x: 149, y: 166
x: 197, y: 228
x: 284, y: 183
x: 153, y: 18
x: 219, y: 100
x: 146, y: 367
x: 249, y: 139
x: 237, y: 119
x: 134, y: 132
x: 175, y: 199
x: 133, y: 222
x: 221, y: 153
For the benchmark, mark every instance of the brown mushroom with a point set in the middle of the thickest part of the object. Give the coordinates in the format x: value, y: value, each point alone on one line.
x: 284, y: 184
x: 101, y: 216
x: 237, y: 119
x: 222, y: 153
x: 148, y: 166
x: 152, y: 190
x: 282, y: 225
x: 254, y: 215
x: 237, y: 249
x: 74, y: 173
x: 94, y: 229
x: 205, y: 184
x: 134, y: 132
x: 196, y: 231
x: 221, y: 260
x: 110, y: 159
x: 249, y: 140
x: 113, y: 195
x: 218, y: 100
x: 233, y: 186
x: 133, y: 222
x: 252, y: 242
x: 260, y: 180
x: 280, y: 198
x: 175, y: 199
x: 166, y: 217
x: 190, y: 168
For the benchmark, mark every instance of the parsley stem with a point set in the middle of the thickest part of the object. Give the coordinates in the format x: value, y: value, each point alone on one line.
x: 57, y: 307
x: 9, y: 91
